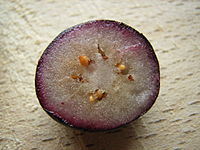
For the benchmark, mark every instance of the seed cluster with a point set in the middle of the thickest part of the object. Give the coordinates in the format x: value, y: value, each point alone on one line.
x: 99, y: 94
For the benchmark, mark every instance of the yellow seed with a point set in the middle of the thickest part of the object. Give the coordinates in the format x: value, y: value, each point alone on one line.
x: 121, y: 67
x: 91, y: 98
x: 84, y: 60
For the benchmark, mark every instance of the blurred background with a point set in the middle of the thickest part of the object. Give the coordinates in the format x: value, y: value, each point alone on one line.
x: 172, y: 27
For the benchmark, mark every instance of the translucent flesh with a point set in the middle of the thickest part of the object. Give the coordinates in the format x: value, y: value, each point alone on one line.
x: 70, y: 98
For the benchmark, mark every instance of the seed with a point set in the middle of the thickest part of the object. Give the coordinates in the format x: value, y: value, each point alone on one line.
x: 91, y: 98
x: 84, y: 60
x: 130, y: 77
x: 75, y: 77
x: 97, y: 95
x: 121, y: 67
x: 78, y: 77
x: 102, y: 53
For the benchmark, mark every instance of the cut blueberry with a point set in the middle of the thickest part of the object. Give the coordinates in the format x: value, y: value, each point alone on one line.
x: 98, y: 75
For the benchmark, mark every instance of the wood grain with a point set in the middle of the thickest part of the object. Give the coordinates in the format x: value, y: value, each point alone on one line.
x: 173, y: 27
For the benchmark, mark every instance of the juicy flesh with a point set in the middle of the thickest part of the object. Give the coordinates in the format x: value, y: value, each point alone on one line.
x: 70, y: 98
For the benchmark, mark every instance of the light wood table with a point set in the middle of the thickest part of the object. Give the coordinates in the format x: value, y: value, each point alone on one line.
x: 173, y: 27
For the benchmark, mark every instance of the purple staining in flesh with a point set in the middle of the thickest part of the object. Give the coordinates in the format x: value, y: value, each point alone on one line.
x: 98, y: 75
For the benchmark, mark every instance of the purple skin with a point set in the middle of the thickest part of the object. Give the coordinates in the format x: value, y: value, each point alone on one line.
x: 130, y: 32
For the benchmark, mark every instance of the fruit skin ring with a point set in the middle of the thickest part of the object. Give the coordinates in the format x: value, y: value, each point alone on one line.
x: 39, y: 86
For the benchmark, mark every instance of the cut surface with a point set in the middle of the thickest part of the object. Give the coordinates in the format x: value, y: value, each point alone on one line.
x: 66, y: 97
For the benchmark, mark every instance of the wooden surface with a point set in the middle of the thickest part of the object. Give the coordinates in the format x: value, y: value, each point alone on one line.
x: 173, y: 27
